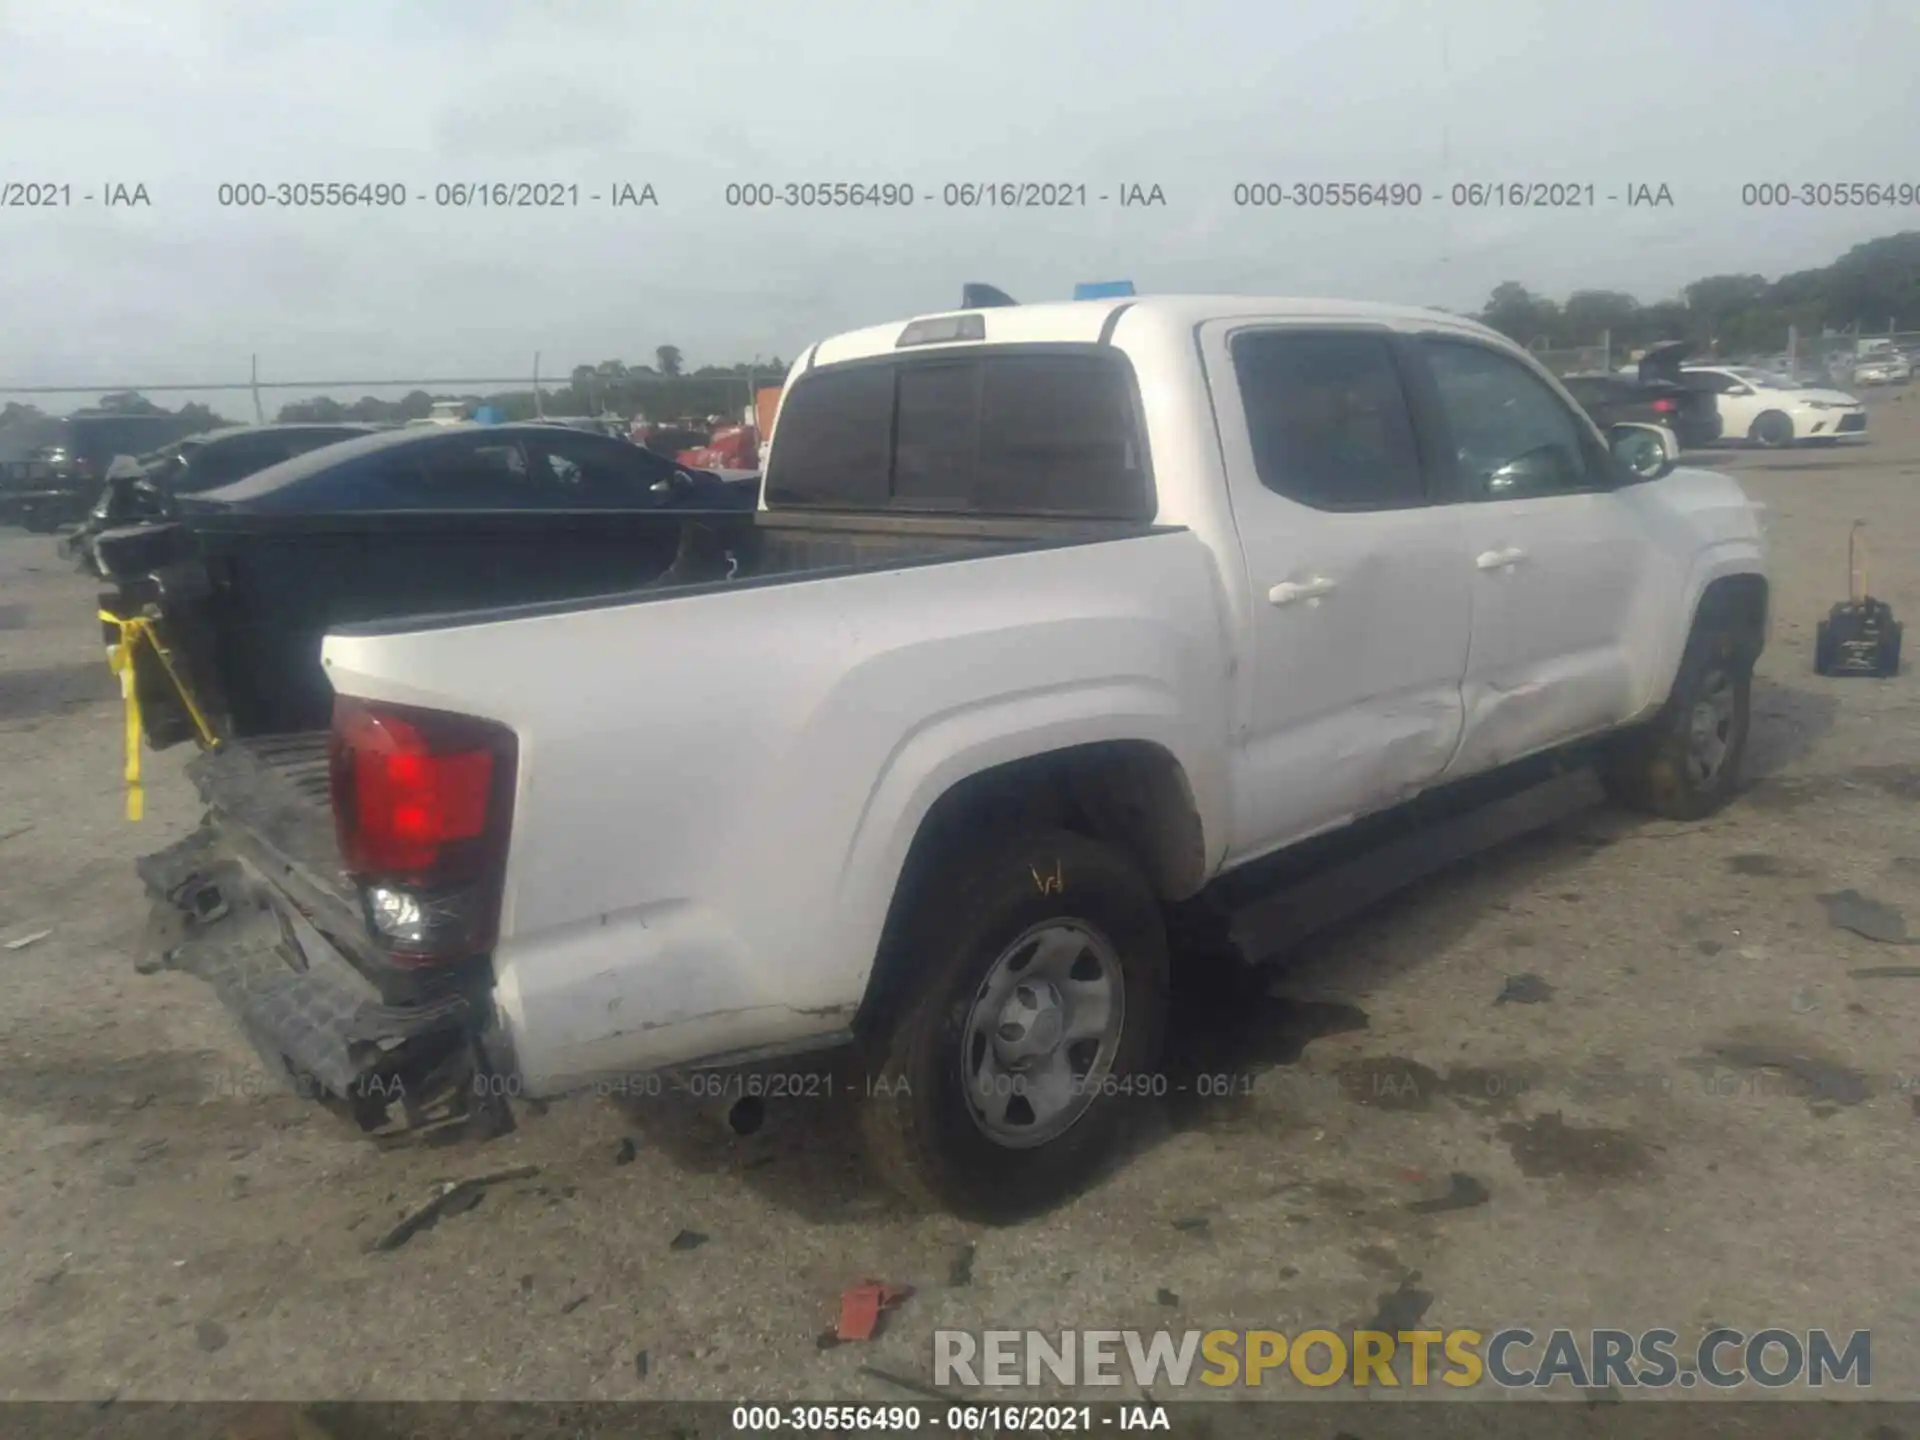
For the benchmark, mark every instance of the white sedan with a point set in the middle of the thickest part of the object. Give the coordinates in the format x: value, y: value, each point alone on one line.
x: 1889, y: 368
x: 1771, y: 409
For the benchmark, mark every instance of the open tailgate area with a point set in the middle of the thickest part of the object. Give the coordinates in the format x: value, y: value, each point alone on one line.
x: 255, y: 903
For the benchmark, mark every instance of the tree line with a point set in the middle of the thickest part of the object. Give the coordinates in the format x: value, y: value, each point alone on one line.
x: 662, y: 391
x: 1874, y: 287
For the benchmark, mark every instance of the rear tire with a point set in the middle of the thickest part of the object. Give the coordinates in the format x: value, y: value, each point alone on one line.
x: 1686, y: 763
x: 1772, y: 430
x: 979, y: 1099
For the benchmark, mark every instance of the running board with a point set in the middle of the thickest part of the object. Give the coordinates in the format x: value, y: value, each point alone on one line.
x: 1276, y: 921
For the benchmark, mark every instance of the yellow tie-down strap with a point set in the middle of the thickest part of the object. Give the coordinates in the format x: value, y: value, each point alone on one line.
x: 120, y: 657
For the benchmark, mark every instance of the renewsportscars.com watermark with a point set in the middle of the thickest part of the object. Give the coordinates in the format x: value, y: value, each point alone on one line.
x: 1512, y: 1359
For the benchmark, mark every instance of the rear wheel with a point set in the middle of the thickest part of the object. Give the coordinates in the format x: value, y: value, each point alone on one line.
x: 1036, y: 1011
x: 1774, y: 430
x: 1685, y: 765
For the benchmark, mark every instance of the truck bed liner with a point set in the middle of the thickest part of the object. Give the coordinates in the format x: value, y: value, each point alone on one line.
x: 274, y: 789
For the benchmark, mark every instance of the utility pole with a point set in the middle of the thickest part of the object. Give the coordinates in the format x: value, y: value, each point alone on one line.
x: 259, y: 413
x: 539, y: 412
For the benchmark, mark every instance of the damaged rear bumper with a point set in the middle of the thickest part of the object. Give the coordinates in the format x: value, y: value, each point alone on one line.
x: 314, y: 1019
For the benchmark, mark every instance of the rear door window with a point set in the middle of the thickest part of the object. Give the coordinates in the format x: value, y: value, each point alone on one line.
x: 1015, y: 432
x: 580, y: 470
x: 1328, y: 419
x: 453, y: 475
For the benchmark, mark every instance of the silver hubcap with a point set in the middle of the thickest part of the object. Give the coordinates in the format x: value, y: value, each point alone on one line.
x: 1710, y: 728
x: 1042, y: 1034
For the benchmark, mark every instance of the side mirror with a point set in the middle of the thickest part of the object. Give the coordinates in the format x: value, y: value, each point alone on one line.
x: 1641, y: 450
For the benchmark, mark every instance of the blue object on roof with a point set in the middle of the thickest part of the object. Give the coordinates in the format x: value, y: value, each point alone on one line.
x: 1102, y: 289
x: 489, y: 415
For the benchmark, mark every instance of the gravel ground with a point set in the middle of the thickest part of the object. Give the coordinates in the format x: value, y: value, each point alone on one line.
x: 174, y: 1229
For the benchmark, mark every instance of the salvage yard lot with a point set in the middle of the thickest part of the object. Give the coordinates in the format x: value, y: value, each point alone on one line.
x: 1691, y: 1115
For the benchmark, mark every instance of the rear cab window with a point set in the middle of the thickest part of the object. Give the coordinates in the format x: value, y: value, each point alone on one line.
x: 1035, y: 430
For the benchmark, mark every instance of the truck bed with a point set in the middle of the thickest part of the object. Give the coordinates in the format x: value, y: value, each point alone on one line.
x: 244, y: 601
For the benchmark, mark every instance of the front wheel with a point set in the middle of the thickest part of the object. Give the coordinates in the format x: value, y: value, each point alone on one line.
x: 1028, y: 1032
x: 1685, y: 765
x: 1774, y: 430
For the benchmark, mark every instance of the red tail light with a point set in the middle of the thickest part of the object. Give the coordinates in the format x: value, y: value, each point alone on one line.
x: 422, y: 803
x: 1665, y: 407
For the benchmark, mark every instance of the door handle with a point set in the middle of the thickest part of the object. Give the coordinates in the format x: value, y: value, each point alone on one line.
x: 1499, y: 559
x: 1290, y: 591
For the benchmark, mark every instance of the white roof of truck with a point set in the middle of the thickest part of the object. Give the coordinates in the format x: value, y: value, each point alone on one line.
x: 1083, y: 321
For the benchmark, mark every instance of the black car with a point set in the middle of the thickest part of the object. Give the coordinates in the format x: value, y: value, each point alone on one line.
x: 148, y: 489
x: 524, y: 466
x: 1656, y: 396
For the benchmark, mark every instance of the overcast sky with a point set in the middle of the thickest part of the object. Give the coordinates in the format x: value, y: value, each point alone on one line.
x: 183, y: 95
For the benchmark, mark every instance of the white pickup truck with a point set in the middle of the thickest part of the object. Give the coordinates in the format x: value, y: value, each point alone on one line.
x: 1051, y: 616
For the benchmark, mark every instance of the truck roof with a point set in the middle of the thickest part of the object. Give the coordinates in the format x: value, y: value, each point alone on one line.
x: 1089, y: 321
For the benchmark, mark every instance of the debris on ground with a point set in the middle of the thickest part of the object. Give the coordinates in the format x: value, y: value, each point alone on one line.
x: 455, y: 1197
x: 25, y: 940
x: 641, y: 1365
x: 574, y: 1304
x: 627, y: 1151
x: 1193, y: 1224
x: 1463, y: 1193
x: 1401, y: 1308
x: 209, y: 1335
x: 961, y: 1271
x: 1164, y: 1296
x: 916, y: 1387
x: 1528, y: 989
x: 1886, y: 972
x: 1874, y: 919
x: 862, y: 1305
x: 1817, y: 1080
x: 687, y: 1240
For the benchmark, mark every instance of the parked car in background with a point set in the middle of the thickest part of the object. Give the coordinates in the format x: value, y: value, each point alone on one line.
x: 610, y: 425
x: 523, y: 466
x: 1775, y: 410
x: 193, y: 466
x: 1688, y: 418
x: 1888, y: 367
x: 52, y: 468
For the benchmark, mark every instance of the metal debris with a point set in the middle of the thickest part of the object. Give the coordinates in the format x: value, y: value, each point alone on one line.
x: 25, y: 940
x: 455, y: 1197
